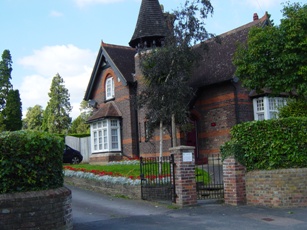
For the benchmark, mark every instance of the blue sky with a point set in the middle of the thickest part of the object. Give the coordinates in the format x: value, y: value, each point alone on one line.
x: 46, y: 37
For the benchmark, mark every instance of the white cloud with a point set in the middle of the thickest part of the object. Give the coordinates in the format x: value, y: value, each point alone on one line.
x: 55, y: 13
x: 72, y: 63
x: 82, y: 3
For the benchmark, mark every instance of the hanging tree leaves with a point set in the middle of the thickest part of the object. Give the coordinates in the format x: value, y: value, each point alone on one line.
x: 166, y: 70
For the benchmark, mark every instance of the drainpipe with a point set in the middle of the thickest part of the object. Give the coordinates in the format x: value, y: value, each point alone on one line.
x: 233, y: 81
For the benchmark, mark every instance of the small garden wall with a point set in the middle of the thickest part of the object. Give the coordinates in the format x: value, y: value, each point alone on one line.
x: 130, y: 191
x: 48, y: 209
x: 277, y: 188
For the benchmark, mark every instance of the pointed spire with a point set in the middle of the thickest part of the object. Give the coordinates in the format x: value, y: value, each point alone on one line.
x: 151, y: 27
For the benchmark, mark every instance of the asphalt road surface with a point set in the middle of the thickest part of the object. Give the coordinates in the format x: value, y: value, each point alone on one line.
x: 95, y: 211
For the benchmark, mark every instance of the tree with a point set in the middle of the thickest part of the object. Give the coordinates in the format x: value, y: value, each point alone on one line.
x: 294, y: 108
x: 275, y: 56
x: 13, y: 111
x: 56, y: 115
x: 34, y: 118
x: 5, y: 77
x: 79, y: 126
x: 167, y: 69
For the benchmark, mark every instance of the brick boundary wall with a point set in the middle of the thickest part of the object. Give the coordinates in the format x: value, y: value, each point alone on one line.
x: 44, y: 210
x: 131, y: 191
x: 234, y: 182
x: 277, y: 188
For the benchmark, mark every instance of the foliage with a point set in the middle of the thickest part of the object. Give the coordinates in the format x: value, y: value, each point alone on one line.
x: 275, y: 56
x: 167, y: 69
x: 30, y: 161
x: 5, y: 77
x: 269, y: 144
x: 56, y: 115
x: 78, y: 126
x: 294, y: 108
x: 13, y: 111
x: 34, y: 118
x: 79, y: 135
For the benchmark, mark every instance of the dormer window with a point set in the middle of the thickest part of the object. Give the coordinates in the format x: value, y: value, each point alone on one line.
x: 109, y: 88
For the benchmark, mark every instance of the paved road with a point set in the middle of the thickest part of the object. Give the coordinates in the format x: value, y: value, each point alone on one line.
x: 94, y: 211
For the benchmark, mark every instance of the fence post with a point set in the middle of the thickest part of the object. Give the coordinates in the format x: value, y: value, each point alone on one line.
x: 184, y: 175
x: 234, y: 182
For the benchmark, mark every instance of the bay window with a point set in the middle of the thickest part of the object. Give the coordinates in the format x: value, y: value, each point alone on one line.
x: 267, y: 107
x: 106, y: 135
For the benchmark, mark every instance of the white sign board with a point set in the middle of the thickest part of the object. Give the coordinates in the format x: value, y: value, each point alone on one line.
x: 187, y: 157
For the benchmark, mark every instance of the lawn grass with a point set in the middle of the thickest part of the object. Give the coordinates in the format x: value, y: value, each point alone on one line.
x: 123, y: 170
x: 134, y: 171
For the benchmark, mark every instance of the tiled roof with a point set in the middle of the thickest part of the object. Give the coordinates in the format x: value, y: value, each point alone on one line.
x: 107, y: 110
x: 151, y: 24
x: 123, y: 58
x: 216, y: 63
x: 119, y: 58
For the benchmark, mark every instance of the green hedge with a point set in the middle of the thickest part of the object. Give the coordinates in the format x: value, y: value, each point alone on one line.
x: 270, y: 144
x: 30, y: 161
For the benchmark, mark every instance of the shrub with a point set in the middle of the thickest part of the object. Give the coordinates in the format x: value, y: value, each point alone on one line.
x: 270, y: 144
x: 30, y: 161
x: 294, y: 108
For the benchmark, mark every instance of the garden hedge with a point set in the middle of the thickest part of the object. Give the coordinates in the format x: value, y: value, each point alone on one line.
x: 30, y: 161
x: 269, y: 144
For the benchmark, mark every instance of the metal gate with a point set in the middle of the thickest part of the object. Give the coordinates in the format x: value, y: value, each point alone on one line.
x: 209, y: 178
x: 157, y: 178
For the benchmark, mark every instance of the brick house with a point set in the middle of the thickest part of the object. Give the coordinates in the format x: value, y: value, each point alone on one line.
x: 118, y: 127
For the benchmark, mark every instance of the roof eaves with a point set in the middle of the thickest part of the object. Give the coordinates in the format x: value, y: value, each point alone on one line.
x: 93, y: 75
x: 113, y: 66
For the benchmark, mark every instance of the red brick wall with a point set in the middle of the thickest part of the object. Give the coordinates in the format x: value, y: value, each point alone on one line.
x: 277, y: 188
x: 124, y: 104
x: 216, y: 106
x: 46, y: 210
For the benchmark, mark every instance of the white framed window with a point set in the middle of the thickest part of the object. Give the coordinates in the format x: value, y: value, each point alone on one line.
x: 266, y: 108
x: 106, y: 135
x: 109, y: 88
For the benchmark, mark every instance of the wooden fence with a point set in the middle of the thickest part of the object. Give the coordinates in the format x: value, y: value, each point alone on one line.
x: 81, y: 144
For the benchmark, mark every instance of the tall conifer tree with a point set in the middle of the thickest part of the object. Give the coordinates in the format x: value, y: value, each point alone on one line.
x: 56, y: 117
x: 13, y: 111
x: 5, y: 77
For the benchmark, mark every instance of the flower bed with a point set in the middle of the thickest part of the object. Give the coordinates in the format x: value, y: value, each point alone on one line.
x: 104, y: 176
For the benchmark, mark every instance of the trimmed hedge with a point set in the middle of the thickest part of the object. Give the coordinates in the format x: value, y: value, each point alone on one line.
x: 30, y: 161
x: 269, y: 144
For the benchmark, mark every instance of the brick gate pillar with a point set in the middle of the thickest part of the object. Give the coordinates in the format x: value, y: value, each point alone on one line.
x: 234, y: 182
x: 185, y: 175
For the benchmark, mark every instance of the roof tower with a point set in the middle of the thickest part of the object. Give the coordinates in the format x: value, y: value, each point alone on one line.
x: 151, y: 26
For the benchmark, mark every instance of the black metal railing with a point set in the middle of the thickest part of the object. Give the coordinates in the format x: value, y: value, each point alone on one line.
x: 157, y: 178
x: 209, y: 177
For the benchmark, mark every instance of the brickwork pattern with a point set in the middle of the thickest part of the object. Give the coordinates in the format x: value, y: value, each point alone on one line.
x: 216, y: 106
x: 234, y: 182
x: 44, y: 210
x: 184, y: 177
x: 277, y: 188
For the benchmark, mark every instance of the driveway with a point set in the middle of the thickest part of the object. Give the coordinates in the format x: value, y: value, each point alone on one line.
x: 95, y: 211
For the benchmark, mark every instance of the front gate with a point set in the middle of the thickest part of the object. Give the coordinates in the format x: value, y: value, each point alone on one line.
x: 209, y: 178
x: 157, y: 178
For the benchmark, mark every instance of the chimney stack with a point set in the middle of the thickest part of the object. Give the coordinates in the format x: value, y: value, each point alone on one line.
x: 255, y: 17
